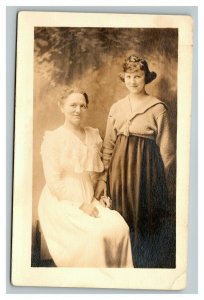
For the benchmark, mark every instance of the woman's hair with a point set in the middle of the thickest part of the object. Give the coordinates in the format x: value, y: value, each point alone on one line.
x: 133, y: 63
x: 70, y: 90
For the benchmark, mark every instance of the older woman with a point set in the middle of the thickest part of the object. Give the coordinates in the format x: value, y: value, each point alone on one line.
x: 79, y: 231
x: 137, y: 154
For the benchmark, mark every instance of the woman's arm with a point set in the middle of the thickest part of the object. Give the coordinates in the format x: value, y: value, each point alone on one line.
x: 51, y: 167
x: 164, y: 140
x: 108, y: 147
x: 109, y: 141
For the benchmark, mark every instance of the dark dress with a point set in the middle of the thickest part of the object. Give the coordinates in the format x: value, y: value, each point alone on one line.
x: 137, y: 154
x: 137, y: 186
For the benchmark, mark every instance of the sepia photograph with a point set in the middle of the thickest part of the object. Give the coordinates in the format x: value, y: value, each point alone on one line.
x: 102, y: 70
x: 100, y: 174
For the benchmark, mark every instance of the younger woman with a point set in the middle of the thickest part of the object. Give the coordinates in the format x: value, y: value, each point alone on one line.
x: 137, y: 154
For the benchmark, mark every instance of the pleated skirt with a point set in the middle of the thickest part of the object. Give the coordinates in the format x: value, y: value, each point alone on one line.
x: 137, y: 186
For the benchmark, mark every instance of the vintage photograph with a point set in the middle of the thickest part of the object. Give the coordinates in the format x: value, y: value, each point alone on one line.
x: 103, y: 164
x: 105, y: 108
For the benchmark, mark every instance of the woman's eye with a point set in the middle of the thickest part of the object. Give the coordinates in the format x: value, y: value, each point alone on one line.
x: 74, y: 106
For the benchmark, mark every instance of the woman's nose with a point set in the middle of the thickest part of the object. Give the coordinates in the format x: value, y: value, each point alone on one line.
x: 132, y: 80
x: 78, y: 108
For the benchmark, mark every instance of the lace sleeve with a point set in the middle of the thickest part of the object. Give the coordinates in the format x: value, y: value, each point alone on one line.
x: 52, y: 168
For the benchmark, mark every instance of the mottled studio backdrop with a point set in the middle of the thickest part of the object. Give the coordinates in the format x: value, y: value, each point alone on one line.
x: 92, y: 58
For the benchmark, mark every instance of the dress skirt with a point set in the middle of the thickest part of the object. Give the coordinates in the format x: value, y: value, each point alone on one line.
x: 74, y: 238
x: 137, y: 186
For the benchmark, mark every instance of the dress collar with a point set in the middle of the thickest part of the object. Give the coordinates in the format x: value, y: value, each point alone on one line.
x: 143, y: 107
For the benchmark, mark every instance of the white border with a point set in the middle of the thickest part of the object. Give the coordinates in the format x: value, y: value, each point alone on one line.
x: 162, y: 4
x: 22, y: 273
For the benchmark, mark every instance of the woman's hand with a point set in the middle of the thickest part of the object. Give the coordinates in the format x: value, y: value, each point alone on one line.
x: 100, y: 189
x: 105, y: 201
x: 89, y: 209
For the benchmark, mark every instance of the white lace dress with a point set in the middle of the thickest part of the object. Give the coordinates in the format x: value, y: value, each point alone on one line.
x: 74, y: 238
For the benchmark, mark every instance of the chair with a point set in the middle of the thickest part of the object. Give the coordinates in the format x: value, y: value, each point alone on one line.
x: 40, y: 254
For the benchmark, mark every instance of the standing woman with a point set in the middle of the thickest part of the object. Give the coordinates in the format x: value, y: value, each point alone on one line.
x: 137, y: 154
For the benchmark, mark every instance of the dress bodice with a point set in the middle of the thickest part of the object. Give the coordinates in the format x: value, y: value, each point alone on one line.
x: 70, y: 153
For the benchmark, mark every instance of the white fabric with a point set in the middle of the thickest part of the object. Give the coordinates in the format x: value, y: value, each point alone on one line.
x: 74, y: 238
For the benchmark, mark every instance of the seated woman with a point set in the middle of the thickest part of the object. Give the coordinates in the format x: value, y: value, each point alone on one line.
x: 78, y: 229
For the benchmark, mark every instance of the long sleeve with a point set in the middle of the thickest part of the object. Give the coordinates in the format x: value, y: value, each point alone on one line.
x: 109, y: 143
x: 52, y: 170
x: 164, y: 140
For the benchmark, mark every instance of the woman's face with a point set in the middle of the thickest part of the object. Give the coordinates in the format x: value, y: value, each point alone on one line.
x: 74, y: 108
x: 135, y: 82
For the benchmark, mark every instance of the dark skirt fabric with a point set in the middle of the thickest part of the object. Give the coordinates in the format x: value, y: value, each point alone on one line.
x: 137, y: 186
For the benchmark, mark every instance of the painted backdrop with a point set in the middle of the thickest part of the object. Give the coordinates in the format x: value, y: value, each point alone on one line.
x: 92, y: 58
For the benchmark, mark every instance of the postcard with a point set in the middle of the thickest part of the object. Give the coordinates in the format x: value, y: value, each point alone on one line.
x: 102, y: 150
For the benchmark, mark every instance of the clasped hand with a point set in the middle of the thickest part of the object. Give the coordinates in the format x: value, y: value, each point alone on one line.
x: 101, y: 194
x: 90, y: 209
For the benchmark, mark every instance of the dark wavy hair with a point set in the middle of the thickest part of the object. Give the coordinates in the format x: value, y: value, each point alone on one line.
x: 133, y: 63
x: 70, y: 90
